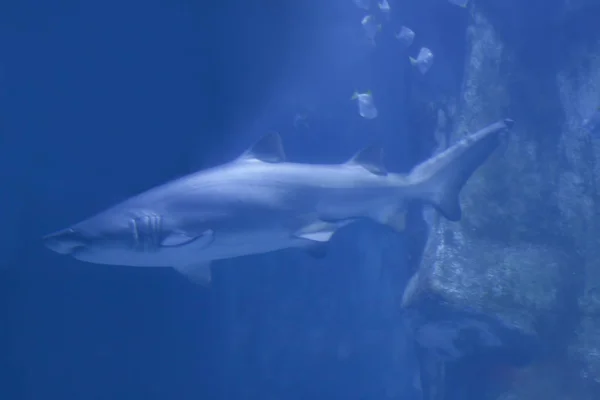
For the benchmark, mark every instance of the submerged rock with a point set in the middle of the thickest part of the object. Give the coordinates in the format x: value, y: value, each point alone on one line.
x: 514, y: 281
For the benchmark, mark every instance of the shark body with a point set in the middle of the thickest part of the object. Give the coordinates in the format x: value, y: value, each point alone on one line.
x: 260, y: 203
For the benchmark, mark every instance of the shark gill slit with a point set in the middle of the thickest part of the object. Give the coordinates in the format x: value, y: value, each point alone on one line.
x: 143, y: 230
x: 148, y: 227
x: 153, y: 229
x: 135, y: 233
x: 156, y: 228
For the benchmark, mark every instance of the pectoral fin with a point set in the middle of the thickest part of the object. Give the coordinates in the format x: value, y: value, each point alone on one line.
x: 181, y: 238
x: 323, y: 236
x: 197, y: 273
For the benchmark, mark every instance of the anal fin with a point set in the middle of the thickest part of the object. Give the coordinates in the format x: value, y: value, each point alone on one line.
x: 392, y: 217
x: 318, y: 231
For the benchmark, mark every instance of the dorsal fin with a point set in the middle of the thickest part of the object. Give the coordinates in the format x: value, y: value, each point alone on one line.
x: 371, y: 159
x: 268, y: 149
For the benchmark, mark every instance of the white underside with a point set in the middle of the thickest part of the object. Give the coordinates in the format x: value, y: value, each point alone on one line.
x: 226, y: 246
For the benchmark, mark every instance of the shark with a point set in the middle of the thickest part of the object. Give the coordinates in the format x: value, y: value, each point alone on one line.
x: 261, y: 202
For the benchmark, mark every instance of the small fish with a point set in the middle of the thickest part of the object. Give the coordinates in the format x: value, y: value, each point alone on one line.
x: 301, y: 121
x: 406, y: 36
x: 364, y: 4
x: 384, y: 7
x: 460, y: 3
x: 424, y: 60
x: 366, y: 105
x: 371, y: 28
x: 592, y: 123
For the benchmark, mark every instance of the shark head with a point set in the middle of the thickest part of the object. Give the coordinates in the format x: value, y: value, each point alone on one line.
x: 142, y: 231
x: 124, y: 240
x: 66, y: 241
x: 103, y: 239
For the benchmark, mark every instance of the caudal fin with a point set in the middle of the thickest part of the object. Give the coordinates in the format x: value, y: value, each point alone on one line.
x: 440, y: 179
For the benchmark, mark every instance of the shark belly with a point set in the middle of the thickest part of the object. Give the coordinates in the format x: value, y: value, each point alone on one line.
x: 227, y: 246
x: 348, y: 204
x: 238, y: 244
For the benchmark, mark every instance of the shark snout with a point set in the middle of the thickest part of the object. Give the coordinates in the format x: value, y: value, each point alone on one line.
x: 66, y: 241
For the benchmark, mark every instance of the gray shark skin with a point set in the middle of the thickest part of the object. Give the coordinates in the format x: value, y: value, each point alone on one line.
x: 260, y: 203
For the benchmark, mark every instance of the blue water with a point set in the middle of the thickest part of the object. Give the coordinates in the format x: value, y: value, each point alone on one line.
x: 102, y: 100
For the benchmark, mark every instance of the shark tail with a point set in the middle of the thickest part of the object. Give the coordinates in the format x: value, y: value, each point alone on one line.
x: 440, y: 179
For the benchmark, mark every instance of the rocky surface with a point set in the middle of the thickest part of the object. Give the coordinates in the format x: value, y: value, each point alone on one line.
x: 516, y: 278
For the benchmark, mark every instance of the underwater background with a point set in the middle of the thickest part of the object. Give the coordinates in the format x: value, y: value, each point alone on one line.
x: 102, y: 100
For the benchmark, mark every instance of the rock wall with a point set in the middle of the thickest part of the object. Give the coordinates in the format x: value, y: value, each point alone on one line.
x: 508, y: 293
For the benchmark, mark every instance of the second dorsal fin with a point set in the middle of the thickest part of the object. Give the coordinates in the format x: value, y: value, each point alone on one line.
x: 371, y: 159
x: 268, y: 149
